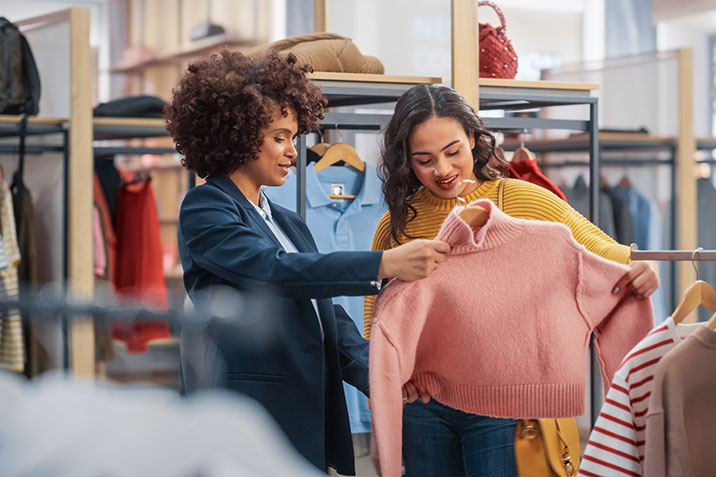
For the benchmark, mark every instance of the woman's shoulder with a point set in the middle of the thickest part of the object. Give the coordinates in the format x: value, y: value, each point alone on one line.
x: 518, y: 188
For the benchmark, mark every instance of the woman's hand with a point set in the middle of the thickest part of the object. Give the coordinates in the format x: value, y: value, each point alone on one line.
x: 412, y: 394
x: 413, y: 260
x: 642, y: 279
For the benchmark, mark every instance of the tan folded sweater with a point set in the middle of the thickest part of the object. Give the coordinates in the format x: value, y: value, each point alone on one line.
x: 324, y: 52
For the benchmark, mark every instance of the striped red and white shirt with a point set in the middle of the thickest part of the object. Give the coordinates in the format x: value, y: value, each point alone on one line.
x: 616, y: 444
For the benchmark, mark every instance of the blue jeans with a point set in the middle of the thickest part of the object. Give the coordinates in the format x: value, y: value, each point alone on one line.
x: 441, y: 441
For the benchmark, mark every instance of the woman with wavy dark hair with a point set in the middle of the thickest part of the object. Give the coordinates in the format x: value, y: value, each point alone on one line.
x: 234, y: 120
x: 434, y: 149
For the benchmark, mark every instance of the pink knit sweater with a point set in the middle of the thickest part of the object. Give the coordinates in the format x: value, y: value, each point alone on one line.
x: 501, y: 328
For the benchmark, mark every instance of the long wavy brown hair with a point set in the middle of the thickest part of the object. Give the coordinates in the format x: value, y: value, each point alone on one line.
x: 414, y: 107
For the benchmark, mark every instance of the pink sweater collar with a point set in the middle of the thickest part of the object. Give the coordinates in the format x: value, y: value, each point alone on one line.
x: 499, y: 229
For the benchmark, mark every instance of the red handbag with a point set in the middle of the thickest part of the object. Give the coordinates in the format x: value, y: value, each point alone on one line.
x: 497, y: 56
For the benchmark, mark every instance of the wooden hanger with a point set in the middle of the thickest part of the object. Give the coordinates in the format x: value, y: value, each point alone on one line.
x: 624, y: 182
x: 340, y: 152
x: 336, y: 153
x: 320, y: 148
x: 522, y: 154
x: 699, y: 293
x: 474, y: 216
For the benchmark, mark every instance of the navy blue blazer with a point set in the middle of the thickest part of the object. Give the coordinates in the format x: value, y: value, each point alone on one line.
x: 298, y: 377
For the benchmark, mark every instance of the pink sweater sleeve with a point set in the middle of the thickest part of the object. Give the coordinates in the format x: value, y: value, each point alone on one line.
x: 619, y: 321
x: 386, y: 402
x: 397, y: 325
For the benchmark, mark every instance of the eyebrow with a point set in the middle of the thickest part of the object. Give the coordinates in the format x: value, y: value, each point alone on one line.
x: 427, y: 153
x: 286, y: 130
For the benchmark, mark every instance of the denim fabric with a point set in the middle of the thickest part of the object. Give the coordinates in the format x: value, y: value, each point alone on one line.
x: 441, y: 441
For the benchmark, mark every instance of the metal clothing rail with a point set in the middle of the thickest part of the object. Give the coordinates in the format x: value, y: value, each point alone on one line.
x: 698, y: 255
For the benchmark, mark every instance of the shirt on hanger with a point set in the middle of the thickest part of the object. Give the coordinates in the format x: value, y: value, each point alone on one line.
x: 345, y: 225
x: 139, y: 273
x: 528, y: 170
x: 578, y: 198
x: 647, y: 235
x: 623, y: 218
x: 680, y: 430
x: 12, y: 343
x: 616, y: 444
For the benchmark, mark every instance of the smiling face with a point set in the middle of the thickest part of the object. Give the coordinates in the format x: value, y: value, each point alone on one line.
x: 441, y: 157
x: 274, y: 157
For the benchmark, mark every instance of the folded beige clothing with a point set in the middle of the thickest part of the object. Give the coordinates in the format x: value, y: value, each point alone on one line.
x: 324, y: 51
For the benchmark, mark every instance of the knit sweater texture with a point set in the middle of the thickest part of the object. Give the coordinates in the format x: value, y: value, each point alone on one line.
x: 501, y: 328
x: 518, y: 199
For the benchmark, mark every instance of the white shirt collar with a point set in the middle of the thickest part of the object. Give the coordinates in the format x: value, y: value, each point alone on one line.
x: 264, y: 209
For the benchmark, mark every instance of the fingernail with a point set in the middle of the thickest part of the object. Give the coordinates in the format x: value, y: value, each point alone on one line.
x: 616, y: 290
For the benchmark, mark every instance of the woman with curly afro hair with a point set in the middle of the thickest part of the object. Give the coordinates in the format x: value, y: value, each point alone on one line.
x: 234, y: 121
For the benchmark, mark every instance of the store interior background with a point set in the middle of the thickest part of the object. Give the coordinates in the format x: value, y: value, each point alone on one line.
x: 563, y: 40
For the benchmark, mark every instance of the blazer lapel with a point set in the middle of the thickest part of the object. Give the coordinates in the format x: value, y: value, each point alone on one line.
x: 296, y: 236
x: 224, y: 183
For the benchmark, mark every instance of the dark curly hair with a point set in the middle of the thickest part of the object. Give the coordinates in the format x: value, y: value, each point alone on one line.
x: 414, y: 107
x: 222, y: 103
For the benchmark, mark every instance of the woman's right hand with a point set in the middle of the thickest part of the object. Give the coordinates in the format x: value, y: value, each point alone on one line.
x: 413, y: 260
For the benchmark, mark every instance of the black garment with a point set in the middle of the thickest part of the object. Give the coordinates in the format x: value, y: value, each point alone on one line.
x: 578, y: 198
x: 109, y: 180
x: 141, y: 106
x: 623, y: 220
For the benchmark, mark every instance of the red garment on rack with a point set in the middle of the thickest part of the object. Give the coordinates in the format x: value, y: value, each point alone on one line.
x: 528, y: 170
x: 139, y: 275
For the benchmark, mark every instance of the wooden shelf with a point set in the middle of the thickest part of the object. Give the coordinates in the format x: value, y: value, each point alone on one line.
x: 536, y: 85
x: 354, y: 89
x: 373, y: 78
x: 607, y: 141
x: 187, y: 51
x: 15, y: 119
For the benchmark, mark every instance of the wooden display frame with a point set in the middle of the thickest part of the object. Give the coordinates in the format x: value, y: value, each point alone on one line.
x: 80, y: 185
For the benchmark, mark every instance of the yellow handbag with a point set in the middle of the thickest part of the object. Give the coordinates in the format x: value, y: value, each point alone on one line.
x: 547, y: 447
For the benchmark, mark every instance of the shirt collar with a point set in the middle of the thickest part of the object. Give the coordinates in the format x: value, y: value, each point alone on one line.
x: 370, y: 192
x: 264, y: 209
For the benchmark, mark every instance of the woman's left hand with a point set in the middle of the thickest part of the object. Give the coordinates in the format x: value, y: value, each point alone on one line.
x: 642, y: 279
x: 411, y: 394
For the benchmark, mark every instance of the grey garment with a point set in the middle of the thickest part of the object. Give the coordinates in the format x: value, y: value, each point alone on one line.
x: 578, y: 198
x: 680, y: 429
x: 623, y: 219
x: 706, y: 216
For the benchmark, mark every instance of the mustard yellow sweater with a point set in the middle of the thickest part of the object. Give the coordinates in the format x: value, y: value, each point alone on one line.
x: 518, y: 199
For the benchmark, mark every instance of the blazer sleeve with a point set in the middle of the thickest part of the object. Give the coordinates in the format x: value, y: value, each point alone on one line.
x: 353, y: 351
x: 619, y: 321
x: 224, y: 242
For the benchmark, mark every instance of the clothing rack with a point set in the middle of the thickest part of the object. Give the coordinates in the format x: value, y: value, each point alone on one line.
x: 614, y: 143
x: 675, y: 255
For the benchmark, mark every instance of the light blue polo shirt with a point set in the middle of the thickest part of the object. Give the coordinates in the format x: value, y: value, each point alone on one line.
x: 340, y: 225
